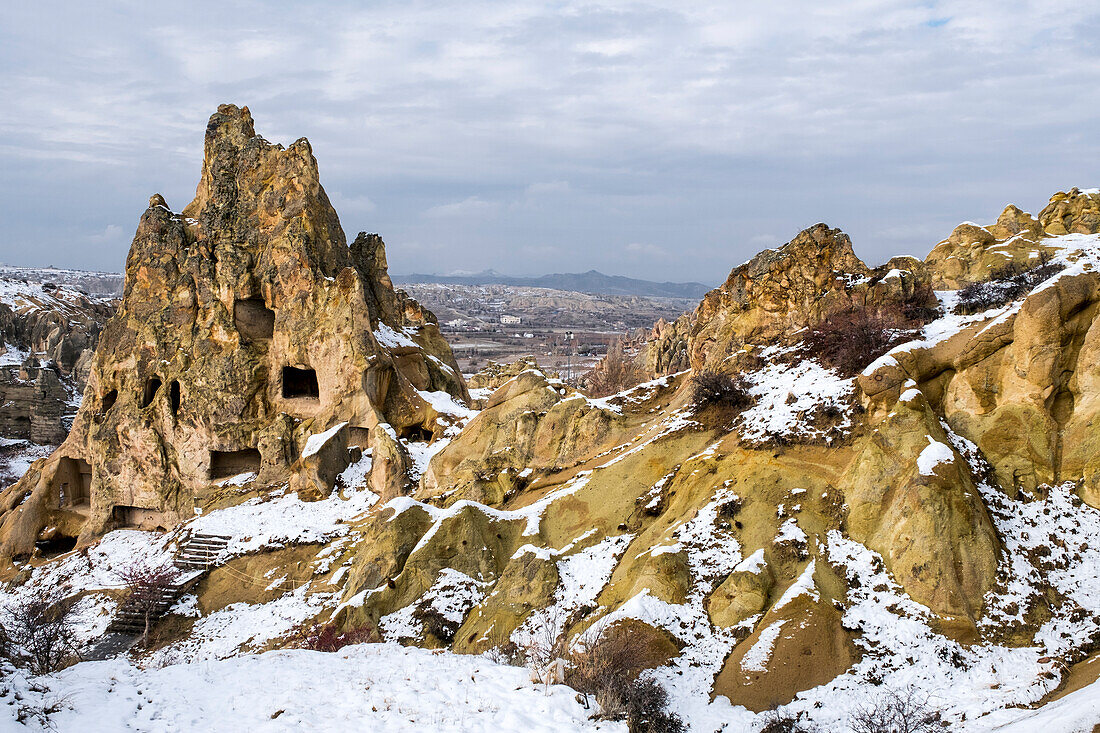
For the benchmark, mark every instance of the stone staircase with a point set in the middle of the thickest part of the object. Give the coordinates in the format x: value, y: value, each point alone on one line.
x: 194, y: 556
x: 200, y: 551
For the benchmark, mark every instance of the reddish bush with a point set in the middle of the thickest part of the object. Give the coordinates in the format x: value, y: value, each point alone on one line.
x: 36, y: 632
x: 328, y: 638
x: 850, y: 340
x: 607, y: 666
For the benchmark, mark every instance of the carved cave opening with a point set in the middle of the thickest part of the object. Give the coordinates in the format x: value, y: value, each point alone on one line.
x: 59, y: 544
x: 174, y: 396
x: 138, y: 517
x: 73, y: 482
x: 224, y: 464
x: 300, y: 384
x: 151, y: 388
x: 415, y: 433
x: 253, y: 319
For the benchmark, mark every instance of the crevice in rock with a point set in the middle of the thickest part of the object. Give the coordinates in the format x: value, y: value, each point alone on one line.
x: 151, y: 388
x: 107, y: 401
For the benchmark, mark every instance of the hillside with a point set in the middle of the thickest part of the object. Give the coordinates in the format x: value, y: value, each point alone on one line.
x: 840, y: 486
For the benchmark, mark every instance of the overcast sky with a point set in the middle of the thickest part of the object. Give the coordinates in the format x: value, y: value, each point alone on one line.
x: 664, y: 140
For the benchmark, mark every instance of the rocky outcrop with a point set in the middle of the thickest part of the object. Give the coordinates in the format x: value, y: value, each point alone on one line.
x: 779, y: 292
x: 247, y: 327
x: 530, y: 425
x: 1075, y: 212
x: 666, y: 348
x: 802, y: 525
x: 33, y: 403
x: 57, y: 324
x: 494, y: 375
x: 973, y: 252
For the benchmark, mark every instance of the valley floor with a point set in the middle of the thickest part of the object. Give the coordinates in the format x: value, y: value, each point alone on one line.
x: 368, y: 687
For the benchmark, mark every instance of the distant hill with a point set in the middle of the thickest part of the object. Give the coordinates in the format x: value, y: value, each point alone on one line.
x: 592, y: 282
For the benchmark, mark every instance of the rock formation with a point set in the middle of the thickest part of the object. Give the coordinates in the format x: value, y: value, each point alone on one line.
x: 247, y: 326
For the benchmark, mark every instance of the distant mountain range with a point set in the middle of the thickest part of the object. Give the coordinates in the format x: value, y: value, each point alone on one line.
x: 592, y: 282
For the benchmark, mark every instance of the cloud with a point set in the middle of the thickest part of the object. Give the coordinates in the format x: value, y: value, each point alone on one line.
x: 111, y: 234
x: 481, y: 132
x: 471, y: 207
x: 645, y: 250
x: 548, y: 188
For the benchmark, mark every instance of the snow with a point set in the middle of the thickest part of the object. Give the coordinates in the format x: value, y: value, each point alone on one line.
x: 803, y: 586
x: 1077, y: 712
x: 445, y: 404
x: 789, y: 531
x: 581, y: 577
x: 363, y: 687
x: 283, y: 519
x: 317, y: 441
x: 787, y: 396
x: 452, y: 595
x: 759, y: 654
x: 16, y: 457
x: 480, y: 393
x: 243, y: 627
x: 754, y: 563
x: 934, y: 454
x: 392, y: 339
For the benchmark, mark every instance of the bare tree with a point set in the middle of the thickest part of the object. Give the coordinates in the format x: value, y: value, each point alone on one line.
x: 896, y: 711
x: 147, y: 588
x: 615, y: 372
x: 37, y: 632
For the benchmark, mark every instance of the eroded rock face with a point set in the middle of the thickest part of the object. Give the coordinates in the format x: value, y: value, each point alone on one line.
x: 531, y: 423
x: 247, y: 325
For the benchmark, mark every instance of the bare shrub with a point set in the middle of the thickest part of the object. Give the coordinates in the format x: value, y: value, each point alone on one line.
x: 616, y: 372
x: 647, y: 709
x: 435, y: 623
x: 775, y: 721
x: 897, y: 711
x: 328, y: 637
x: 851, y: 339
x: 1005, y: 285
x: 505, y: 651
x: 545, y: 645
x: 719, y: 388
x: 607, y: 666
x: 37, y: 633
x: 148, y: 588
x: 921, y: 305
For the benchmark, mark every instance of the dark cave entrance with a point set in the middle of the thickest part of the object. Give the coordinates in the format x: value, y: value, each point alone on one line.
x: 300, y: 384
